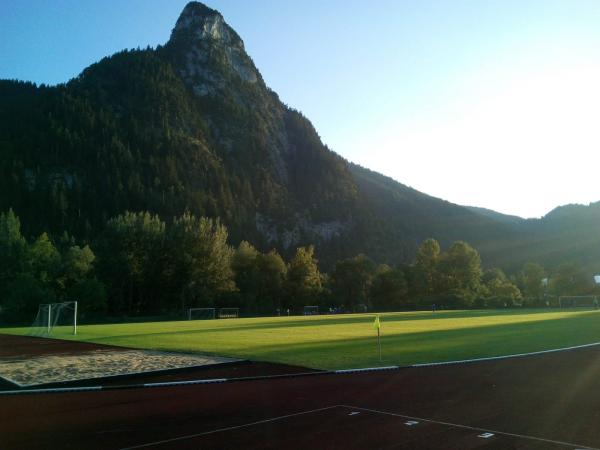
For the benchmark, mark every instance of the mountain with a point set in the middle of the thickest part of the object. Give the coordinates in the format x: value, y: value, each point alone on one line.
x: 192, y: 126
x: 499, y: 217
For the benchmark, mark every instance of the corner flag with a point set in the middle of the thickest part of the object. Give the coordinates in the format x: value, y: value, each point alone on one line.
x: 377, y: 323
x: 377, y: 326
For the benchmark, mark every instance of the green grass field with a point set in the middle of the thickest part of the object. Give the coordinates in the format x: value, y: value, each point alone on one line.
x: 349, y: 341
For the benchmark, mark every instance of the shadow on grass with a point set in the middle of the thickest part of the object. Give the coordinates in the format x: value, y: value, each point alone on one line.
x: 398, y: 349
x: 231, y: 326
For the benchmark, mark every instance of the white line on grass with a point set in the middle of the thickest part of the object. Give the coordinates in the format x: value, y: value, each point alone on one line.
x: 259, y: 422
x: 515, y: 355
x: 186, y: 382
x: 366, y: 369
x: 468, y: 427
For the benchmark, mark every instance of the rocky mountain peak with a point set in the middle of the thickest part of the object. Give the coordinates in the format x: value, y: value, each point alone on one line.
x: 206, y: 42
x: 199, y: 22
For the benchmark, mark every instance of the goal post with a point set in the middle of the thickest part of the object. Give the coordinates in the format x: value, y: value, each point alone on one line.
x: 229, y: 313
x: 201, y: 313
x: 50, y: 315
x: 578, y: 301
x: 311, y: 310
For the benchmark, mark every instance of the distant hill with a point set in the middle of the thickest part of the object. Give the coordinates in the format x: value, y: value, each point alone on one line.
x: 499, y: 217
x: 192, y: 126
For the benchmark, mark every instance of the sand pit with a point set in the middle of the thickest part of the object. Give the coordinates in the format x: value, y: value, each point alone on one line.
x: 95, y: 364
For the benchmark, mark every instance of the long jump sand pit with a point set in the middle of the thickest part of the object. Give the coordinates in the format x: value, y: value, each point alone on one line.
x: 28, y: 361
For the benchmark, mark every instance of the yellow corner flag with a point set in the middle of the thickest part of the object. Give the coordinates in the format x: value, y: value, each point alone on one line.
x: 377, y: 326
x: 377, y: 323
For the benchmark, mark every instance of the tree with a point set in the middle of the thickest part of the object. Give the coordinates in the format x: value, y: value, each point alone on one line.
x: 460, y: 274
x: 272, y: 272
x: 351, y: 281
x: 570, y: 279
x: 303, y: 283
x: 13, y: 248
x: 23, y: 297
x: 77, y: 264
x: 426, y: 267
x: 245, y: 268
x: 259, y: 278
x: 498, y: 289
x: 389, y: 289
x: 91, y: 297
x: 460, y: 267
x: 44, y: 260
x: 201, y: 260
x: 131, y: 258
x: 531, y: 277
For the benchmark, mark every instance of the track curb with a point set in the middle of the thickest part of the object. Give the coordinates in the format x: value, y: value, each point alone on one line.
x: 60, y: 390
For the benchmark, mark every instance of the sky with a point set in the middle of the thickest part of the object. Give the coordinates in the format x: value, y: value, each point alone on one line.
x: 490, y: 103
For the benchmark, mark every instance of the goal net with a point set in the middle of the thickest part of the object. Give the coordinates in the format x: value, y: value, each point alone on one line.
x: 229, y: 313
x: 311, y: 310
x: 51, y: 315
x: 201, y: 313
x: 578, y: 301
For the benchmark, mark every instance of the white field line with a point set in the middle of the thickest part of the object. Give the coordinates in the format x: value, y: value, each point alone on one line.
x: 366, y: 369
x: 259, y: 422
x: 515, y: 355
x: 468, y: 427
x: 185, y: 382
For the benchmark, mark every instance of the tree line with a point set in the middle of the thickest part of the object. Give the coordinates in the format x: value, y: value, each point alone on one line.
x: 141, y: 265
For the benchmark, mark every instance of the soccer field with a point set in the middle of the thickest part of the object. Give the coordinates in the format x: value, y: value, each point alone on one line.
x: 350, y: 341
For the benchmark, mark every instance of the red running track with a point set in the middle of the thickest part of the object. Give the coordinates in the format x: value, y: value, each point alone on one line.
x: 547, y: 401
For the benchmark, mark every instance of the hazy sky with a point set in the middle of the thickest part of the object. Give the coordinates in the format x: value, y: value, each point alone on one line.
x: 486, y: 103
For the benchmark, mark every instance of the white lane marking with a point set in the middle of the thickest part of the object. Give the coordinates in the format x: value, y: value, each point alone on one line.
x: 354, y: 413
x: 411, y: 423
x: 259, y: 422
x: 52, y: 390
x: 485, y: 435
x: 467, y: 427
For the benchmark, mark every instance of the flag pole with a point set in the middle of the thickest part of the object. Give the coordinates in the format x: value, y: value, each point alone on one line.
x: 379, y: 342
x: 377, y: 325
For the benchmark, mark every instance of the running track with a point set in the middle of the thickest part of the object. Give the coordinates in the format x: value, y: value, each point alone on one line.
x: 548, y: 401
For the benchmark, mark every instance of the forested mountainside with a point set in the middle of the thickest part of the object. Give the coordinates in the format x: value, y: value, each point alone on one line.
x: 568, y: 233
x: 191, y: 126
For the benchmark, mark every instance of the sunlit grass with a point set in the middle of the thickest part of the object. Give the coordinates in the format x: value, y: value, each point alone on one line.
x: 345, y: 341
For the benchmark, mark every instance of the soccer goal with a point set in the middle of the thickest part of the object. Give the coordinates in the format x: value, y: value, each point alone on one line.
x: 311, y: 310
x: 201, y: 313
x: 51, y: 315
x: 578, y: 301
x: 229, y: 313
